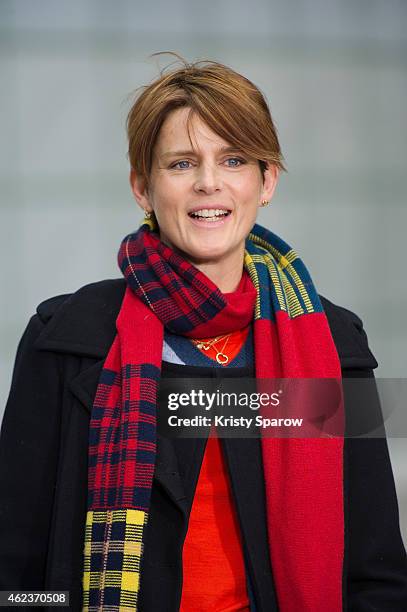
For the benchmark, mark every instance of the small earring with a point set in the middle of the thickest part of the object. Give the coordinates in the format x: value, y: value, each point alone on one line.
x: 147, y: 214
x: 264, y: 203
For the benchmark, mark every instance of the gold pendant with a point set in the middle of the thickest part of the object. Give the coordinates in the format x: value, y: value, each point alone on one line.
x: 201, y: 346
x: 221, y: 358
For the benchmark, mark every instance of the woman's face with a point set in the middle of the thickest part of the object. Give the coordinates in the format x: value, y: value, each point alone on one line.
x: 205, y: 198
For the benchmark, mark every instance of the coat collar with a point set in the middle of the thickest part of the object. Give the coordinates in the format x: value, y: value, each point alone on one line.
x: 83, y: 323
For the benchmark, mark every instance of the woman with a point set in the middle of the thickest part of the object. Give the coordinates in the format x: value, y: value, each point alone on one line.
x: 193, y: 523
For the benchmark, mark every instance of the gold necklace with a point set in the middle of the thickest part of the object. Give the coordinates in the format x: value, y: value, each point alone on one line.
x: 206, y: 344
x: 220, y: 356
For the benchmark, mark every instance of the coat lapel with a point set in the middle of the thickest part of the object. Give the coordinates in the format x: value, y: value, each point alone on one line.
x: 166, y: 472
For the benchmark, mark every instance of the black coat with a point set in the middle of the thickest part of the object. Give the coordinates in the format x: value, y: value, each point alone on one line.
x: 43, y: 471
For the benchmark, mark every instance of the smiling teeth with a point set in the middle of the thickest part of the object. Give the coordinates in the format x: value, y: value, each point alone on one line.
x: 210, y: 213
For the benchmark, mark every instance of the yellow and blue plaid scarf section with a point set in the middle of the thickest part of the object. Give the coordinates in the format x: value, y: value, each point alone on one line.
x: 279, y: 275
x: 113, y: 551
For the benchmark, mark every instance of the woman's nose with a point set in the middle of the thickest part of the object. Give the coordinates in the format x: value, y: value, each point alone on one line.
x: 208, y: 179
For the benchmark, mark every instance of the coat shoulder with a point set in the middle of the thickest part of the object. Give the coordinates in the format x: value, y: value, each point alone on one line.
x: 102, y: 292
x: 349, y: 336
x: 83, y: 322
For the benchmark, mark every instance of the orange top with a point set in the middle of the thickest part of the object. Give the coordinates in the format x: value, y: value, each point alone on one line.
x: 213, y: 563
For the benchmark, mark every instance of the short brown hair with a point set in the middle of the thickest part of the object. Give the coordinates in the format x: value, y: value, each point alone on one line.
x: 231, y: 105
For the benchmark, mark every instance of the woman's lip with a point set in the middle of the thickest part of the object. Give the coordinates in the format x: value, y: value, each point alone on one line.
x: 210, y: 224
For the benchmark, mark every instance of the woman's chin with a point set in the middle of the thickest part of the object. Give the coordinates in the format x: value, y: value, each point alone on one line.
x: 207, y: 254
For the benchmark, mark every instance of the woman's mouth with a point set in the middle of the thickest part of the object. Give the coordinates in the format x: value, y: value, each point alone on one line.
x: 209, y: 216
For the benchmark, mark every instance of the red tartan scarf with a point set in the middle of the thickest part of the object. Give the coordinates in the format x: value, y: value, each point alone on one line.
x: 303, y: 476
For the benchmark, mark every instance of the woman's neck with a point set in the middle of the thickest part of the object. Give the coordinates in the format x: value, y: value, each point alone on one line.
x: 225, y: 274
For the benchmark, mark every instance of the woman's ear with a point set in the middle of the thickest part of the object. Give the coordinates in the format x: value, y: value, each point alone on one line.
x: 140, y: 191
x: 271, y: 174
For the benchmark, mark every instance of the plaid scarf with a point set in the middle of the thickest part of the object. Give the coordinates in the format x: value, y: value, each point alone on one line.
x: 303, y: 477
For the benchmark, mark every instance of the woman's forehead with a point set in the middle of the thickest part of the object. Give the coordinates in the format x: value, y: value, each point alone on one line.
x: 183, y: 132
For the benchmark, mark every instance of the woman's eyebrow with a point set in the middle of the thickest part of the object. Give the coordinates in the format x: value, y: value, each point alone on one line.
x: 228, y: 149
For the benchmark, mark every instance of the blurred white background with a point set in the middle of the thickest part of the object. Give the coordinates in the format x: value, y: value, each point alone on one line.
x: 334, y: 73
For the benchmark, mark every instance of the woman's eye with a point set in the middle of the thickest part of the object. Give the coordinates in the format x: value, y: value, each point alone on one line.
x: 236, y: 161
x: 182, y: 165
